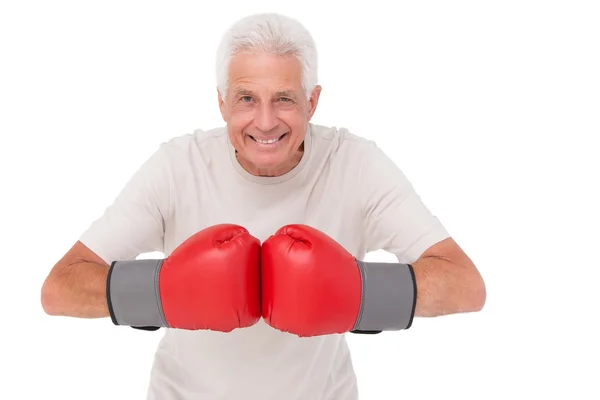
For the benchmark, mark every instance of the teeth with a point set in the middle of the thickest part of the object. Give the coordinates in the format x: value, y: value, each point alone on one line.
x: 268, y: 141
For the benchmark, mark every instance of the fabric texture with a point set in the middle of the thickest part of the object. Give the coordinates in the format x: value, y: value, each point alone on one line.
x: 344, y: 185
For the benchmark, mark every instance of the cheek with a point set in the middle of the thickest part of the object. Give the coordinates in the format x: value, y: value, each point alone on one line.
x: 296, y: 120
x: 292, y: 115
x: 240, y: 118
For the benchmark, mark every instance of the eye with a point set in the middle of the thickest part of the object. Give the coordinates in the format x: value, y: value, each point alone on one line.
x: 285, y: 99
x: 246, y: 99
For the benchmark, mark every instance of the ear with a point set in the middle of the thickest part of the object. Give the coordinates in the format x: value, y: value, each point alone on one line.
x: 314, y: 101
x: 222, y: 106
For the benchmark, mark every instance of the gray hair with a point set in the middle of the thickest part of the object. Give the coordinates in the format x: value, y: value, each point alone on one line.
x: 272, y: 34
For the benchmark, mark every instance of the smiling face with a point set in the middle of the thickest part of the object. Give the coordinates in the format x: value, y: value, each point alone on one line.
x: 267, y: 112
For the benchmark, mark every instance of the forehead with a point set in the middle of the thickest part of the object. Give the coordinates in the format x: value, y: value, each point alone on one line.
x: 254, y: 72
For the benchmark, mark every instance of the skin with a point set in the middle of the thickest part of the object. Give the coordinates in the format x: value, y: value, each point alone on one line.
x: 448, y: 281
x: 265, y: 100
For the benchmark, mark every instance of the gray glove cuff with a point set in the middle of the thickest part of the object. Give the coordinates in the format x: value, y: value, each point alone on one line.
x: 389, y: 296
x: 133, y: 295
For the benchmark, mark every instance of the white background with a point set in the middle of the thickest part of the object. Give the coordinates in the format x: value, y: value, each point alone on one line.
x: 492, y: 109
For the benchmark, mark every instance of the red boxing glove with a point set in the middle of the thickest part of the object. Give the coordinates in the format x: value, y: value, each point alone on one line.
x: 210, y: 281
x: 312, y: 286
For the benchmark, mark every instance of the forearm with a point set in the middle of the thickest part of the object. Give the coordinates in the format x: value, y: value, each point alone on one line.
x: 77, y: 290
x: 445, y: 287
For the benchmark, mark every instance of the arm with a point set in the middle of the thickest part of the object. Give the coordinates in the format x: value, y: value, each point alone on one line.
x: 133, y: 224
x: 398, y: 221
x: 447, y: 281
x: 76, y: 285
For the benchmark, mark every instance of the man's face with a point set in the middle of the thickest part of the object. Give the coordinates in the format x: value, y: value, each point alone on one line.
x: 266, y: 112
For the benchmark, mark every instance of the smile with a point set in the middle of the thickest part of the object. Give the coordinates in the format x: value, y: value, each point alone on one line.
x: 268, y: 141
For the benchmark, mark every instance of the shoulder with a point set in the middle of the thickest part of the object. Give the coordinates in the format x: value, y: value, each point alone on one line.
x: 357, y: 154
x: 193, y: 147
x: 198, y: 139
x: 185, y: 152
x: 340, y: 140
x: 342, y: 145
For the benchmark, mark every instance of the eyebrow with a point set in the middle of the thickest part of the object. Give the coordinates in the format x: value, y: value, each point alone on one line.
x: 243, y: 92
x: 287, y: 93
x: 284, y: 93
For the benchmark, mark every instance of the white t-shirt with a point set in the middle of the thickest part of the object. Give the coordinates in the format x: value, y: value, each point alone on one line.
x: 344, y: 185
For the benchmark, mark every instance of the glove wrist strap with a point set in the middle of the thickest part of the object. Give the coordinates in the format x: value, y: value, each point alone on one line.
x: 389, y: 294
x: 133, y: 295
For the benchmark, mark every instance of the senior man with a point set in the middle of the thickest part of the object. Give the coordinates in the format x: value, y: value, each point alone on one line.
x: 264, y: 224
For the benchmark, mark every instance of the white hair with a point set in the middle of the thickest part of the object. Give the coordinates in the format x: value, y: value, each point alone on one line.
x: 272, y: 34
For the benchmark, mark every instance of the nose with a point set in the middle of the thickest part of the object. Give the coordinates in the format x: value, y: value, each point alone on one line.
x: 266, y: 117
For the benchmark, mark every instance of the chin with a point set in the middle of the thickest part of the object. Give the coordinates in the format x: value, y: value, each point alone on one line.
x: 263, y: 162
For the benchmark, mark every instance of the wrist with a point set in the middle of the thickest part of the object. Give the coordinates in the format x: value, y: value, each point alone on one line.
x: 132, y: 293
x: 388, y: 297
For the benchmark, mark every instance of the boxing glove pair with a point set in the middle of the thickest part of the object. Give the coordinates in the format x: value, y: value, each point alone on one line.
x: 300, y: 281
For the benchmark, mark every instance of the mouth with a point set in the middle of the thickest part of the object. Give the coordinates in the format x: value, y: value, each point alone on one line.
x: 268, y: 141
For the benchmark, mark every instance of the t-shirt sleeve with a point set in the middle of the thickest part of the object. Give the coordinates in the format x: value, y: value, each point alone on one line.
x: 396, y: 218
x: 134, y: 222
